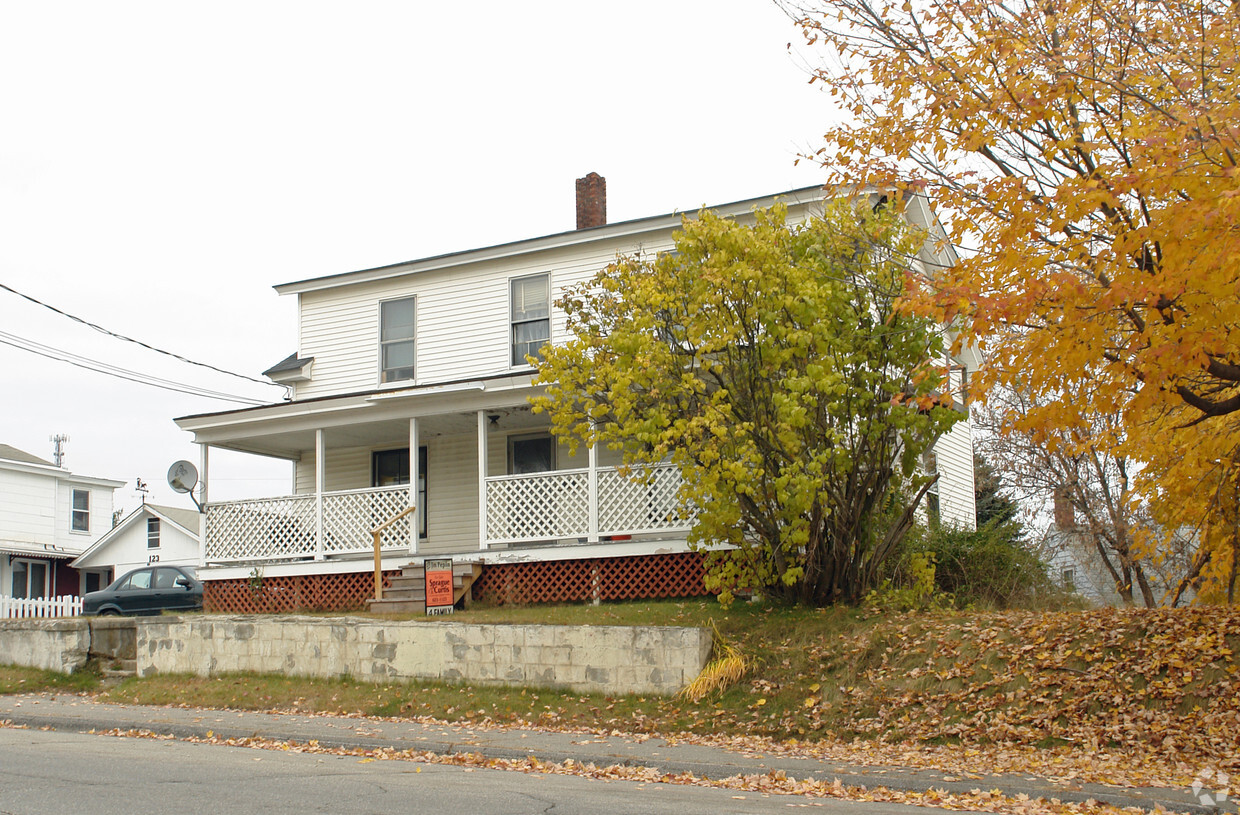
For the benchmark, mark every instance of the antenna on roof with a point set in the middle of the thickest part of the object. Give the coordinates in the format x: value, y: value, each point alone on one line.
x: 59, y: 440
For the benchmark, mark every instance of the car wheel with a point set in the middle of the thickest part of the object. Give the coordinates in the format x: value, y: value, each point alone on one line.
x: 109, y: 612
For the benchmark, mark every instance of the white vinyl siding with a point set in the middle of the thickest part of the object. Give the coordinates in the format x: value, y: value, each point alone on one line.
x: 28, y: 512
x: 463, y: 318
x: 954, y: 452
x: 130, y: 548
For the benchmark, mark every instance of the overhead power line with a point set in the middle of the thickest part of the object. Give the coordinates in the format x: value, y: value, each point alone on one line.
x: 118, y: 372
x: 103, y: 330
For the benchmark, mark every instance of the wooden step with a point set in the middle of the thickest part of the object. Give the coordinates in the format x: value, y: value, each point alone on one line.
x: 407, y: 591
x: 386, y: 606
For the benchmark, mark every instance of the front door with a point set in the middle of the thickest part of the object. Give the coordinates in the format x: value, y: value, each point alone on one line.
x: 390, y: 468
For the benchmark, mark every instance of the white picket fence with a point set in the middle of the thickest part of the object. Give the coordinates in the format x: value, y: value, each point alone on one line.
x: 20, y: 607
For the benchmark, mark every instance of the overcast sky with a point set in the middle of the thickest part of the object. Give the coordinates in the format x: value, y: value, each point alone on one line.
x: 164, y: 164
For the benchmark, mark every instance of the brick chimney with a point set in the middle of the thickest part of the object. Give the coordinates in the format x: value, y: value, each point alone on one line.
x: 591, y: 201
x: 1065, y: 516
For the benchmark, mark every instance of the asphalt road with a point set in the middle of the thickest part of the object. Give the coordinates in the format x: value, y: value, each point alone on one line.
x: 52, y: 773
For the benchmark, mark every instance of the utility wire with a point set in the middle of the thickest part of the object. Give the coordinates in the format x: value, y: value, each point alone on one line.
x: 103, y: 330
x: 120, y: 373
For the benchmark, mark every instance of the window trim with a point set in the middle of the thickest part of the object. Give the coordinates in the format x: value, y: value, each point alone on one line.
x: 413, y: 340
x: 512, y: 321
x: 152, y: 526
x: 74, y: 510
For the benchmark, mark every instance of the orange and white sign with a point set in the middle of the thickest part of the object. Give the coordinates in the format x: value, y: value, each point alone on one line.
x: 438, y: 586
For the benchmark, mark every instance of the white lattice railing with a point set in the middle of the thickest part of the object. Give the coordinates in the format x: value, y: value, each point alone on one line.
x: 349, y: 516
x: 287, y: 528
x: 644, y: 501
x: 542, y: 506
x: 556, y: 505
x: 23, y: 607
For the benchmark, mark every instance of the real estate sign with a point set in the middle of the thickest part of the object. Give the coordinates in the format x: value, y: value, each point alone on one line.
x: 438, y: 586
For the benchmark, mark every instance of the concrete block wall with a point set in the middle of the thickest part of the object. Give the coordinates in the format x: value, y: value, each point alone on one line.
x: 61, y: 645
x: 606, y: 659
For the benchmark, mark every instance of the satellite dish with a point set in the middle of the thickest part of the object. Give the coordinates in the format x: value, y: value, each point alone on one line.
x: 182, y: 476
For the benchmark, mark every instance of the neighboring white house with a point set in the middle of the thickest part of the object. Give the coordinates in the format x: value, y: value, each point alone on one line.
x: 48, y: 516
x: 429, y: 356
x: 1075, y: 564
x: 149, y: 534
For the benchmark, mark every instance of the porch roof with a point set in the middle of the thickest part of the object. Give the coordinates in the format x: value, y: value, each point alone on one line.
x: 366, y: 418
x: 43, y: 550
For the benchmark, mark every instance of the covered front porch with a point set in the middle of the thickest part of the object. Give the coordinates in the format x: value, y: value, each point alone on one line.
x: 488, y: 479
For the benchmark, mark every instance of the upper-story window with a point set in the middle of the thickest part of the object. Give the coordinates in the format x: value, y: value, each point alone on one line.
x: 152, y: 533
x: 396, y: 339
x: 80, y: 520
x: 531, y: 316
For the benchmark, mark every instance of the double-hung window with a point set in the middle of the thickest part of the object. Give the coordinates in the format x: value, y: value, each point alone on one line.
x: 396, y: 339
x: 531, y: 316
x: 152, y: 533
x: 79, y: 521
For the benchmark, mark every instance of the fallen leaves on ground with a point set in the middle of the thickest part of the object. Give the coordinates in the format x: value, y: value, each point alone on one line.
x: 772, y: 783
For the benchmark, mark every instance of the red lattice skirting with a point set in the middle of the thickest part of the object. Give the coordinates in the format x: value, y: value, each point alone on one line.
x: 549, y: 581
x: 611, y: 578
x: 310, y: 592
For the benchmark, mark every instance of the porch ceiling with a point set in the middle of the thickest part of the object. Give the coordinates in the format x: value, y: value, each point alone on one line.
x: 380, y: 432
x: 377, y: 418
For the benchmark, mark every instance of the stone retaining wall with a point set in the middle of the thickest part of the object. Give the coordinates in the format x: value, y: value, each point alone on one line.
x: 607, y: 659
x: 61, y: 645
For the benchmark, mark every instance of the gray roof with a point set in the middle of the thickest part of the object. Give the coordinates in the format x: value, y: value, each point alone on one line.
x: 187, y: 518
x: 13, y: 454
x: 290, y: 363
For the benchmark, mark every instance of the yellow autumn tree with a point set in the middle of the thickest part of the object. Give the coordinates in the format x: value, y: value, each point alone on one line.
x: 1083, y: 154
x: 769, y: 364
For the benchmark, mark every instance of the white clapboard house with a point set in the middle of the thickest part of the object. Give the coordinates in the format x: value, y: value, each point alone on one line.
x: 48, y: 516
x: 149, y: 534
x: 410, y: 385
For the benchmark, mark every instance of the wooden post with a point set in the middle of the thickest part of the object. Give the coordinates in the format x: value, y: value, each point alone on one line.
x: 377, y: 531
x: 378, y: 568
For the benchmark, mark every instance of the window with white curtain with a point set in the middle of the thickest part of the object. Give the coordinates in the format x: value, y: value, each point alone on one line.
x: 531, y: 316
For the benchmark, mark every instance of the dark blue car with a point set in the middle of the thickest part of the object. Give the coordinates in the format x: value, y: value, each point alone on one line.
x: 148, y: 590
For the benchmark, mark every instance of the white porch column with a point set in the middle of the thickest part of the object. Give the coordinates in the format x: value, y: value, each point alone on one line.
x: 592, y: 494
x: 415, y: 517
x: 320, y: 482
x: 482, y: 480
x: 204, y: 466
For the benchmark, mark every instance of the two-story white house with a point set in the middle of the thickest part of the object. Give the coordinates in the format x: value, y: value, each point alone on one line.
x: 410, y: 385
x: 48, y: 516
